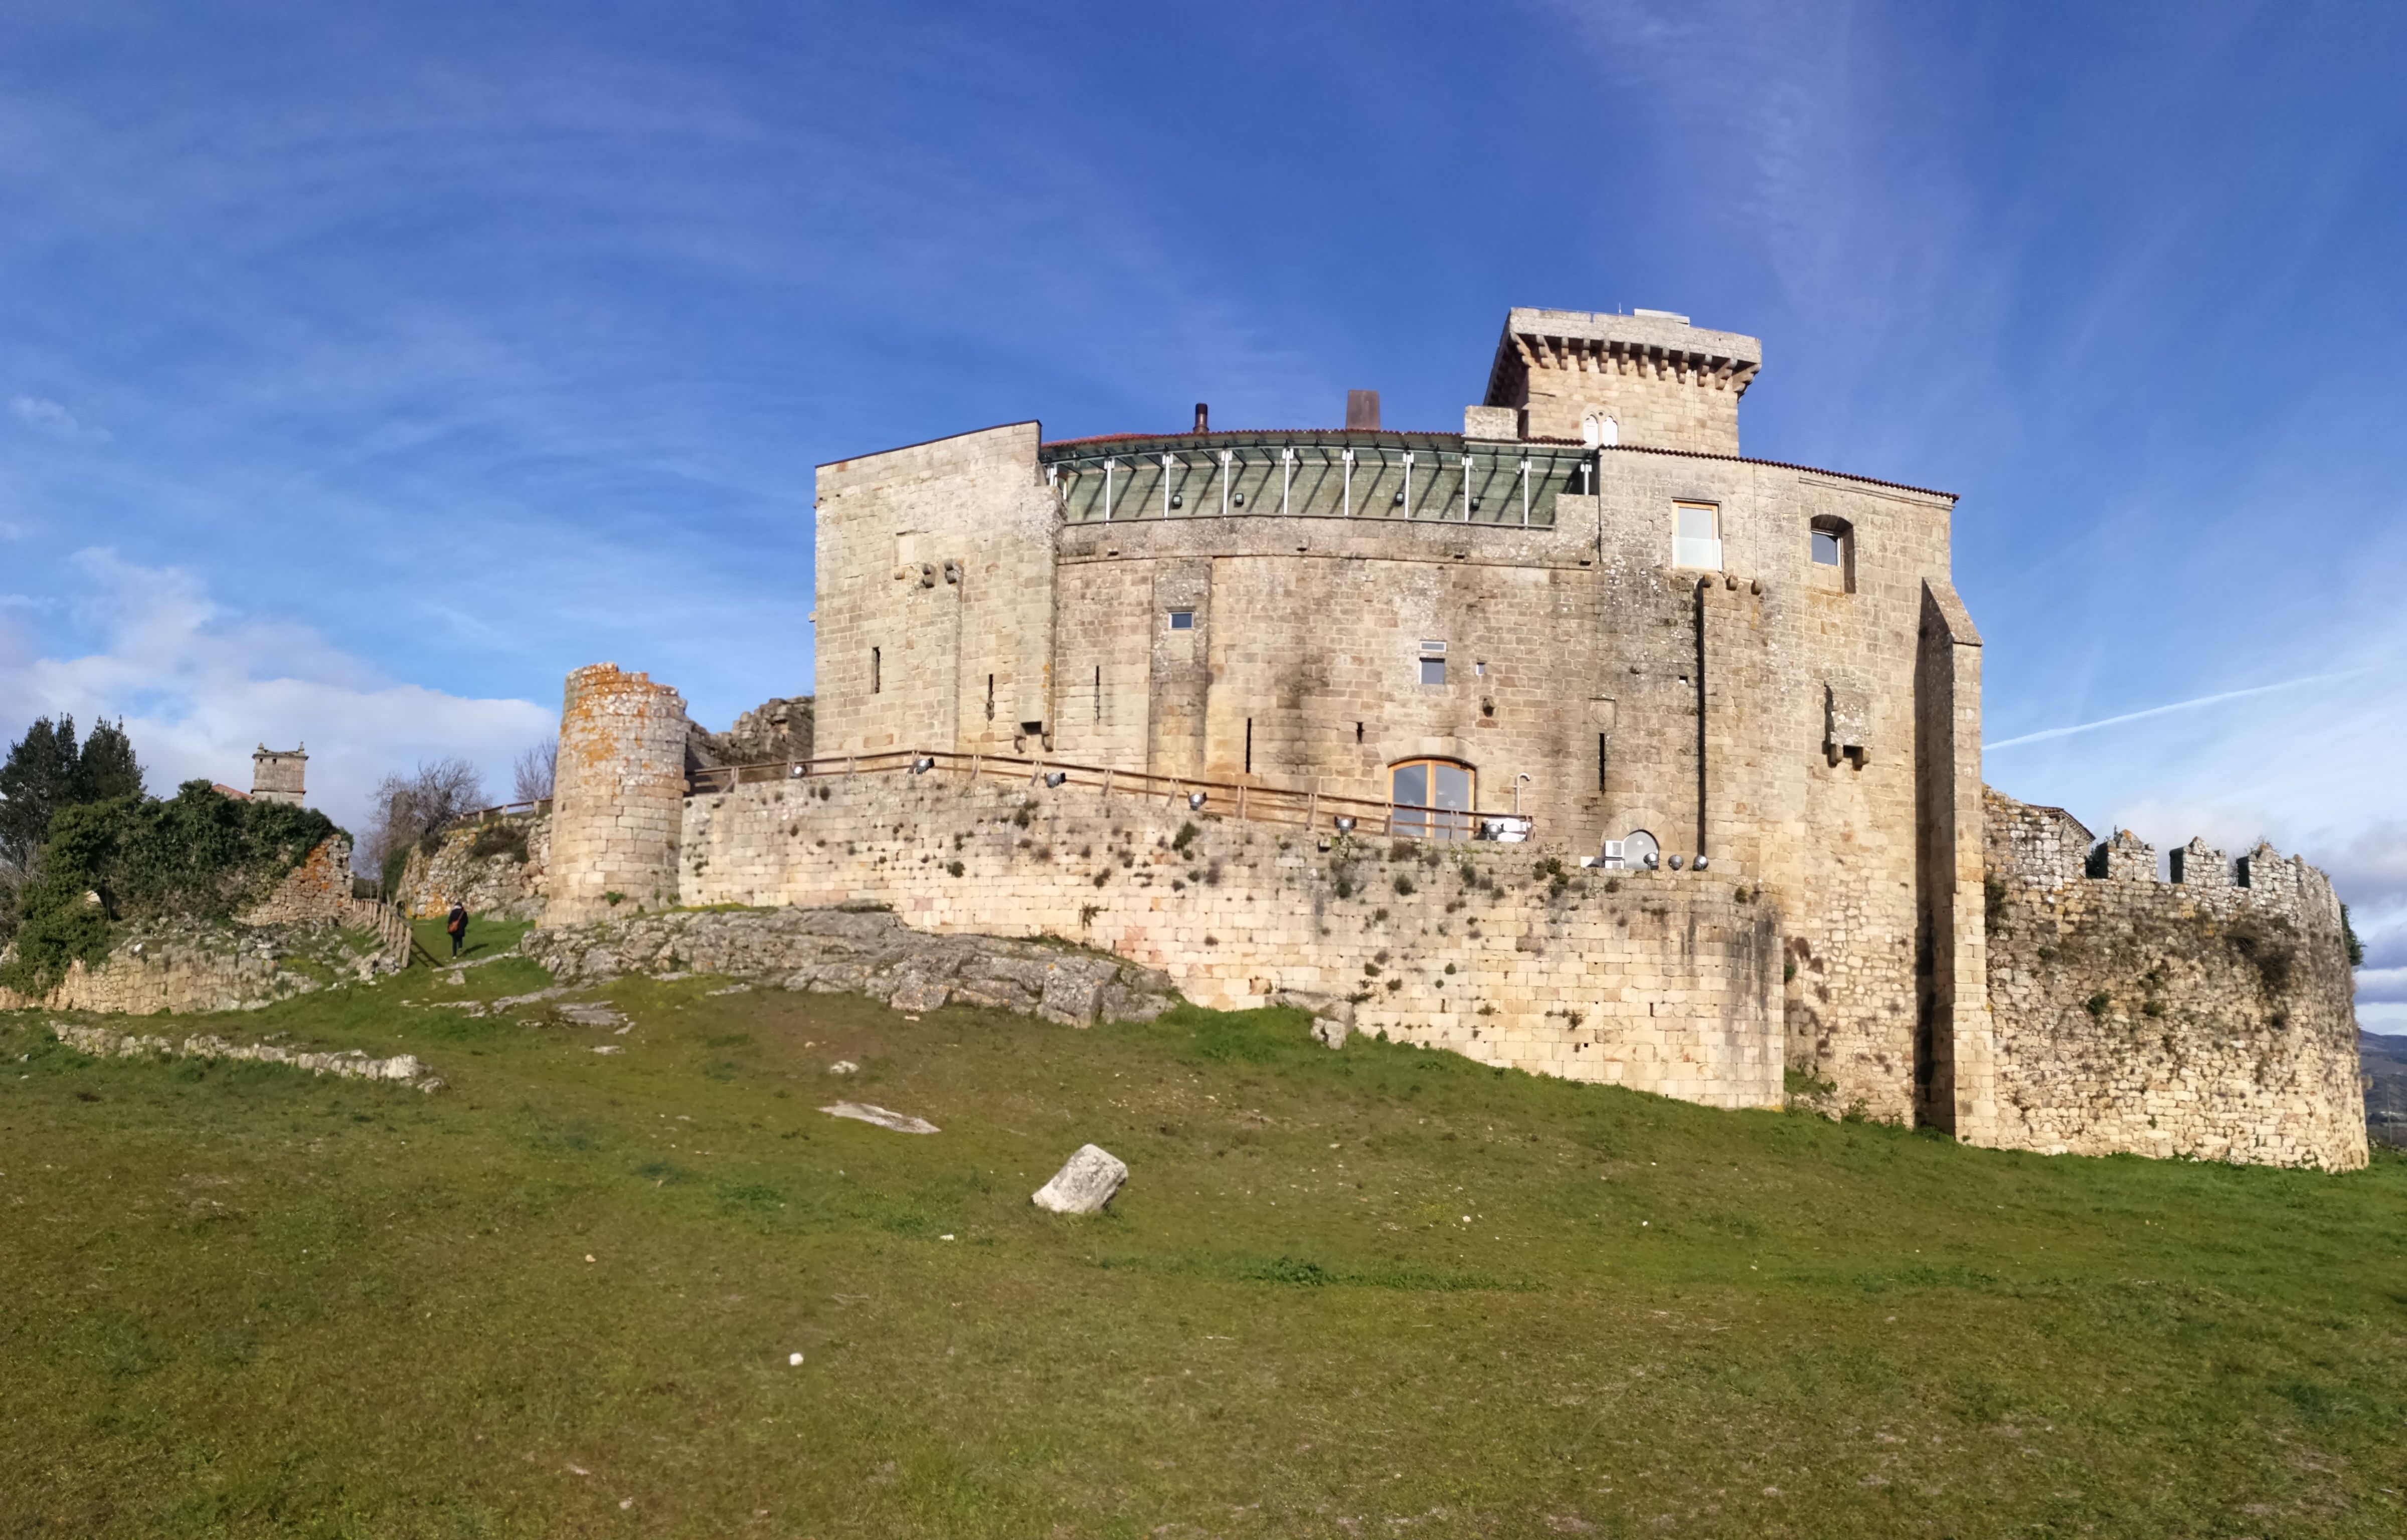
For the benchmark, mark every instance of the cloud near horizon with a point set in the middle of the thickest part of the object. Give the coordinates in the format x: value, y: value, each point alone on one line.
x: 199, y: 688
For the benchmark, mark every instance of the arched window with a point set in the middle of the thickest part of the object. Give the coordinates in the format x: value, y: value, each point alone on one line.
x: 1833, y: 549
x: 1640, y: 849
x: 1597, y: 430
x: 1434, y: 798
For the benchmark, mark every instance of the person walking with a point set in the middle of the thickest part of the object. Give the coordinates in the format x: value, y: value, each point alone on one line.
x: 457, y: 923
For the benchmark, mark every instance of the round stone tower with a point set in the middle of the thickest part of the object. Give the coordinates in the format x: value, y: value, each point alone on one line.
x: 619, y: 797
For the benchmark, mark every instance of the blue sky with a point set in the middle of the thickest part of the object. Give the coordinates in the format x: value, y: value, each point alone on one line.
x: 367, y: 367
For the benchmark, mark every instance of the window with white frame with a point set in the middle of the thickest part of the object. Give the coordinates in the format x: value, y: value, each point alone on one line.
x: 1432, y: 661
x: 1697, y: 535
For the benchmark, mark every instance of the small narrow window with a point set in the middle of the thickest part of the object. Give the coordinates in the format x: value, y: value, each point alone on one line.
x: 1833, y: 549
x: 1697, y: 536
x: 1249, y: 745
x: 1599, y: 761
x: 1826, y: 548
x: 1182, y: 620
x: 990, y: 697
x: 1432, y: 671
x: 1099, y: 695
x: 1358, y: 732
x: 877, y: 671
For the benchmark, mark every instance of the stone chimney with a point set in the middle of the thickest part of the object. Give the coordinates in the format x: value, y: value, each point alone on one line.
x: 1363, y: 411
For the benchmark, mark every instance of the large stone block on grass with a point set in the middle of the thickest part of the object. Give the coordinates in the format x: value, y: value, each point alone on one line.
x: 1085, y: 1183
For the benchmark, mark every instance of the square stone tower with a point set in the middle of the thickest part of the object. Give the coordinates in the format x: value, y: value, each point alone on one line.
x: 277, y: 774
x: 1648, y: 379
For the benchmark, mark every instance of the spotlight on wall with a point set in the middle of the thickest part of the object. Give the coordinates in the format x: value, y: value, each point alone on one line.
x: 1057, y: 777
x: 1195, y: 801
x: 922, y: 765
x: 1698, y: 863
x: 1676, y: 863
x: 1650, y: 862
x: 1236, y: 500
x: 1345, y: 824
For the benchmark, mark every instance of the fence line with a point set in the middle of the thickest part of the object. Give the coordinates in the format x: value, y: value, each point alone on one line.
x: 1248, y: 801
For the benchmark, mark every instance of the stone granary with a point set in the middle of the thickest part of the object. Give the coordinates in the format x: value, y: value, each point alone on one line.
x: 1684, y: 745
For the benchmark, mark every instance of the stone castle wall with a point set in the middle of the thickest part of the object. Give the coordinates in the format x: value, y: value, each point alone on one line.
x: 1768, y: 714
x: 2193, y: 1018
x: 1670, y: 984
x: 498, y: 887
x: 615, y: 800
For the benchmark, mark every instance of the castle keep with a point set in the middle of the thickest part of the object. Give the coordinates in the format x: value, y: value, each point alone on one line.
x: 1573, y: 740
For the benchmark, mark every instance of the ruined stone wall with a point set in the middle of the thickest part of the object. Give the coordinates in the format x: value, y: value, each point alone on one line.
x: 500, y: 885
x: 616, y: 801
x: 2193, y: 1018
x: 1668, y: 982
x: 185, y: 966
x: 320, y: 888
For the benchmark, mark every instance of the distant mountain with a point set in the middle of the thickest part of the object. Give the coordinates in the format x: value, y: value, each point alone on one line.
x: 2385, y: 1058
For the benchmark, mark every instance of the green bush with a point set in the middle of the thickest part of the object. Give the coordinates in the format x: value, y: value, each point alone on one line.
x: 503, y: 836
x: 199, y: 854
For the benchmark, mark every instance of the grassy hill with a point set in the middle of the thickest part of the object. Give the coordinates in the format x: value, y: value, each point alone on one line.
x: 1379, y: 1292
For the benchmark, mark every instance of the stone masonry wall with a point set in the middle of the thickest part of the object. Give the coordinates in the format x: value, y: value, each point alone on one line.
x: 2198, y: 1018
x: 1668, y: 982
x: 500, y: 887
x: 615, y: 802
x: 320, y: 888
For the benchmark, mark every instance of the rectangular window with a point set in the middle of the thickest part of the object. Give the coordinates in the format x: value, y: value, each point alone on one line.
x: 1432, y: 671
x: 1182, y: 620
x: 1697, y: 536
x: 876, y: 670
x: 1826, y: 548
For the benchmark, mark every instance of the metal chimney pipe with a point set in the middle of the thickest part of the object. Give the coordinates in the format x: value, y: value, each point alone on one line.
x: 1202, y: 417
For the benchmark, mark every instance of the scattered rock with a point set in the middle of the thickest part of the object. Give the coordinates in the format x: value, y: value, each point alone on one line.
x: 844, y: 1066
x: 1329, y: 1034
x: 902, y: 1123
x: 731, y: 989
x: 609, y: 1048
x: 589, y: 1014
x: 101, y: 1044
x: 1087, y: 1182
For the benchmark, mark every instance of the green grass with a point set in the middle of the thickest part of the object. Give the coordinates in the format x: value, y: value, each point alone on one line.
x: 1373, y: 1293
x: 485, y: 938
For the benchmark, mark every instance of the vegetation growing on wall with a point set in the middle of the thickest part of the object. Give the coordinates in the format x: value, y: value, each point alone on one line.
x: 199, y: 854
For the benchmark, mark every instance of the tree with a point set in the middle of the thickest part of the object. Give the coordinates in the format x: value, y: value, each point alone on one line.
x: 532, y: 777
x: 411, y: 809
x: 47, y: 772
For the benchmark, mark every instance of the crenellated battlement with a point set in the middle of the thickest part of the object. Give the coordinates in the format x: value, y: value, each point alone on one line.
x: 2205, y: 1011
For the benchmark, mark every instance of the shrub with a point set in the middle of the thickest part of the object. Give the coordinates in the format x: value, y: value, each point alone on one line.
x: 1403, y: 887
x: 2096, y: 1005
x: 1184, y: 838
x: 197, y: 854
x: 953, y: 866
x: 503, y: 836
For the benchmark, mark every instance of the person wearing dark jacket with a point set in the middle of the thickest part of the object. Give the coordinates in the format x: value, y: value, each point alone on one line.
x: 457, y: 923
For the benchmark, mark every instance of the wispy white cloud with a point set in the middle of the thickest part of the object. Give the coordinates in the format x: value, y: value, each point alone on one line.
x: 44, y: 416
x: 2046, y: 733
x: 200, y: 687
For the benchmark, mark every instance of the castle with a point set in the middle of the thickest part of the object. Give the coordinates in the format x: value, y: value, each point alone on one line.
x: 1574, y: 741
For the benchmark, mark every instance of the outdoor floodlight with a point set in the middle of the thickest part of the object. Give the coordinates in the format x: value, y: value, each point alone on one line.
x: 1345, y: 824
x: 1057, y: 777
x: 1698, y: 863
x: 922, y: 765
x: 1195, y: 801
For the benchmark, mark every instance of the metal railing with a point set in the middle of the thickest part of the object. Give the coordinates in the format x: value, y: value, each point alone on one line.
x: 1247, y: 800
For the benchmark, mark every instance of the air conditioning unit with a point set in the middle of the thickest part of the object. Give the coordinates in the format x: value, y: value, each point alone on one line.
x: 1613, y: 855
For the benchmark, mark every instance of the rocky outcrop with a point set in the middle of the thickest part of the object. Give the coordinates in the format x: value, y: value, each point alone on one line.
x: 861, y: 953
x: 777, y: 729
x: 495, y: 867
